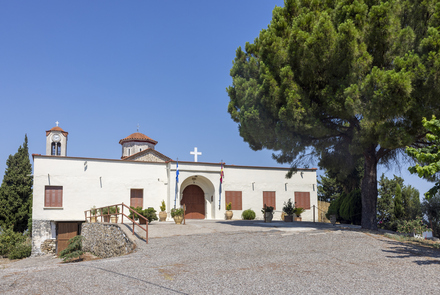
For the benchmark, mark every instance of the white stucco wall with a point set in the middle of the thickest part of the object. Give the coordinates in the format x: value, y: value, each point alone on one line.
x: 240, y: 178
x: 100, y: 182
x: 94, y: 182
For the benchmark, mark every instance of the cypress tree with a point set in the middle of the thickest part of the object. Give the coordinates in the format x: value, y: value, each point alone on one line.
x: 16, y: 190
x: 398, y: 206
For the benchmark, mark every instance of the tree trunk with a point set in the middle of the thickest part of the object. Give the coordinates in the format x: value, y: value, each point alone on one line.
x: 369, y: 190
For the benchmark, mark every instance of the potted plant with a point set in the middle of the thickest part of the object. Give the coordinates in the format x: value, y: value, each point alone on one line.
x: 134, y: 216
x: 105, y: 212
x: 288, y: 211
x: 163, y: 213
x: 228, y: 213
x: 93, y: 212
x: 149, y: 214
x: 268, y: 213
x: 177, y: 214
x: 114, y: 217
x: 298, y: 212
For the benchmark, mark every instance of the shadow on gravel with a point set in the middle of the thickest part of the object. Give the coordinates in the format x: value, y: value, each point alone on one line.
x: 406, y: 250
x: 134, y: 278
x: 277, y: 223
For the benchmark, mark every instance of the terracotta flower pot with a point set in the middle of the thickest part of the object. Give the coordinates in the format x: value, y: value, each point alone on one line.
x: 229, y: 214
x: 162, y: 216
x: 142, y: 221
x: 298, y: 218
x: 114, y: 218
x: 178, y: 219
x: 288, y: 218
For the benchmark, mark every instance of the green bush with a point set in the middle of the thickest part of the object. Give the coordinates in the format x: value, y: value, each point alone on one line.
x: 135, y: 216
x: 73, y: 250
x: 415, y: 226
x: 177, y: 212
x: 347, y: 207
x: 14, y: 245
x: 149, y: 214
x: 21, y: 250
x: 248, y: 214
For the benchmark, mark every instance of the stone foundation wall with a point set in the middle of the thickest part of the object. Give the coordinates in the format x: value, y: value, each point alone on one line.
x: 41, y: 231
x: 49, y: 246
x: 105, y: 240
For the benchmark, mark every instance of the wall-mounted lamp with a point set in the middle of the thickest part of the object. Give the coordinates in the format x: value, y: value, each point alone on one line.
x: 85, y: 165
x: 285, y: 186
x: 100, y: 180
x: 313, y: 187
x: 302, y: 173
x: 48, y: 178
x: 253, y: 185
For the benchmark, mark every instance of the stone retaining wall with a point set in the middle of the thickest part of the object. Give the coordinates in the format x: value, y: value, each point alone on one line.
x: 105, y: 240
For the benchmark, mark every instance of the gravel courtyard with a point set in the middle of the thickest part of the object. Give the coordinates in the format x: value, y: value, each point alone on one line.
x: 239, y: 257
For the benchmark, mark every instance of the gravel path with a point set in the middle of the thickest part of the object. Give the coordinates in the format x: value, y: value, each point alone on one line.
x: 247, y: 260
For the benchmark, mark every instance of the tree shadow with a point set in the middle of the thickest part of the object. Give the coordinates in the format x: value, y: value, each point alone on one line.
x: 401, y: 250
x: 277, y: 224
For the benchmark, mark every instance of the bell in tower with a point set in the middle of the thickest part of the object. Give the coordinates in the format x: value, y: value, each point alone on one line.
x: 56, y: 141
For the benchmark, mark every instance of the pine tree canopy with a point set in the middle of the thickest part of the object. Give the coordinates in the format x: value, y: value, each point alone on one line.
x: 342, y: 80
x: 428, y: 157
x: 16, y: 190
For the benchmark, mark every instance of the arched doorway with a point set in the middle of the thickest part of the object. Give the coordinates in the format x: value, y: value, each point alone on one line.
x: 194, y: 199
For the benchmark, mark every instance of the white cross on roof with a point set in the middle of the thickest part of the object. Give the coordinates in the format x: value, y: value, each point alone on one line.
x: 195, y: 153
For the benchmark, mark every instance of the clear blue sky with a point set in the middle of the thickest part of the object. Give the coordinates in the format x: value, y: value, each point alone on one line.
x: 102, y: 67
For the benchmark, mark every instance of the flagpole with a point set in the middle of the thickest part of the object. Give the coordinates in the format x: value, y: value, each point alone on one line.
x: 177, y: 182
x: 220, y: 188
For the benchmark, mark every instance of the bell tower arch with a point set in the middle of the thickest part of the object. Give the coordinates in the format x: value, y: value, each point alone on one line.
x: 56, y: 141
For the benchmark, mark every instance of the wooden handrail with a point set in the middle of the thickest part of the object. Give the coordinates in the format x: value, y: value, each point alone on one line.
x: 100, y: 209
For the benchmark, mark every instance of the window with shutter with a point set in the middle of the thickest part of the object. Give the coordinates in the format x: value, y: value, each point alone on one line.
x: 53, y: 196
x: 269, y: 199
x: 234, y: 197
x: 302, y: 200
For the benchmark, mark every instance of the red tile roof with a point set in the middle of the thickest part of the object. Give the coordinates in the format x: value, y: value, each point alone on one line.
x: 56, y: 128
x: 137, y: 137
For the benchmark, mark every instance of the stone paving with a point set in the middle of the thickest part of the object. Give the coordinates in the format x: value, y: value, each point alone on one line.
x: 240, y: 257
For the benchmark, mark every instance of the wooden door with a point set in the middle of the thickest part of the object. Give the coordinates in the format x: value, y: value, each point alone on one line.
x: 65, y: 232
x: 194, y: 200
x: 137, y: 198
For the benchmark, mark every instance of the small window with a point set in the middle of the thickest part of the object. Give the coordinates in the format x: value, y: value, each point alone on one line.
x: 269, y: 199
x: 53, y: 196
x: 140, y: 150
x: 234, y: 197
x: 52, y: 150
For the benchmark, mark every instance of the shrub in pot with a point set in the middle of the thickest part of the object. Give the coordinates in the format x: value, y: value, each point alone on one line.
x: 268, y: 213
x: 298, y: 212
x: 288, y: 211
x: 248, y: 214
x: 177, y: 214
x: 229, y: 213
x: 163, y: 213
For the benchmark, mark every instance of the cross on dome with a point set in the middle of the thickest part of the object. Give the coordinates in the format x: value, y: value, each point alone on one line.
x: 195, y: 153
x: 57, y: 123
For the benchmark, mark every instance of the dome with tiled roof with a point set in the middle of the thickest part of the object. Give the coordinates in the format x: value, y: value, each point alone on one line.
x: 137, y: 136
x: 135, y: 143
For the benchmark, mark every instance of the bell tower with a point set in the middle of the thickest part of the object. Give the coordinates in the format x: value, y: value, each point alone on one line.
x: 56, y: 141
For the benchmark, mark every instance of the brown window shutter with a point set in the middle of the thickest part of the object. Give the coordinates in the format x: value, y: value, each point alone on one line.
x: 234, y: 197
x: 269, y: 199
x: 53, y: 196
x: 302, y: 200
x: 137, y: 198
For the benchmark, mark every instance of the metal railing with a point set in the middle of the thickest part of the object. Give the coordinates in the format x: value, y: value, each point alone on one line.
x: 107, y: 217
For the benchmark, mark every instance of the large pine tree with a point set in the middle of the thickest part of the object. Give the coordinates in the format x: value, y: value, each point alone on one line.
x: 16, y: 190
x: 342, y: 80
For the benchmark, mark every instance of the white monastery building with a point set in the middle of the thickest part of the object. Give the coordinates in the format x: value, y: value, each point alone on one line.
x: 65, y: 187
